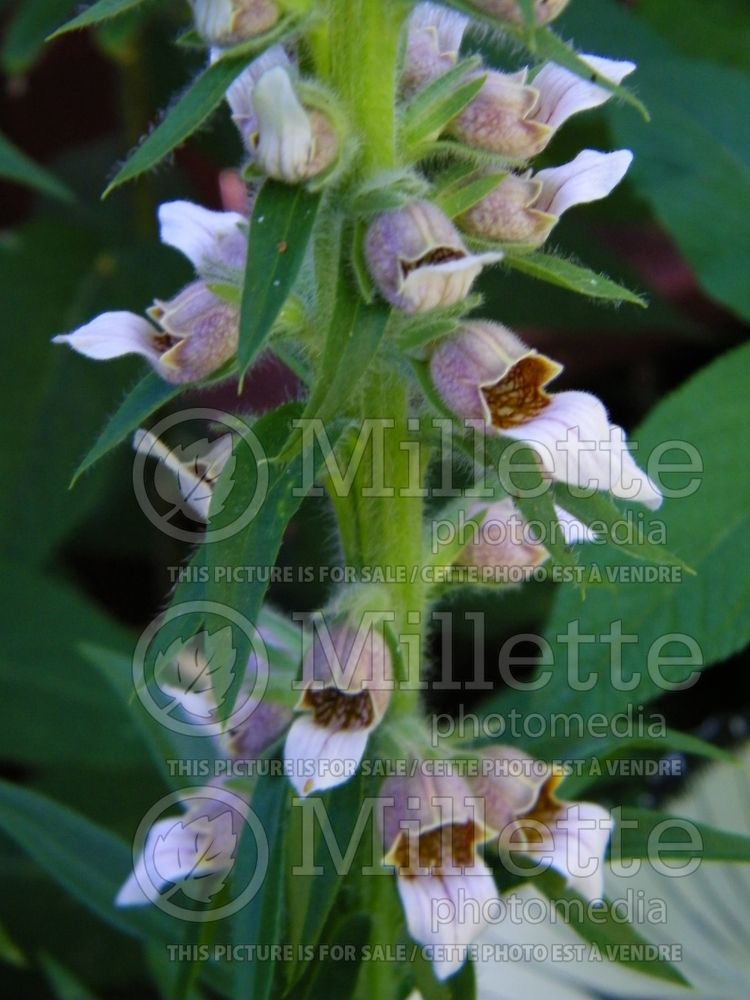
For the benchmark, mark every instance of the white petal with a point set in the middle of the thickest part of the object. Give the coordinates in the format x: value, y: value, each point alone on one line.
x: 321, y: 758
x: 563, y: 93
x: 577, y: 444
x: 240, y: 94
x: 446, y: 914
x: 113, y: 335
x: 204, y: 237
x: 436, y: 285
x: 574, y: 531
x: 146, y: 883
x: 580, y: 835
x: 590, y: 177
x: 285, y: 145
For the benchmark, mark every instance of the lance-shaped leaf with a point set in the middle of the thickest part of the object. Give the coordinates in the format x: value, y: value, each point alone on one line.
x: 644, y: 833
x: 100, y: 11
x: 16, y: 166
x: 607, y: 931
x: 260, y: 921
x: 148, y: 396
x: 433, y: 108
x: 461, y: 195
x: 279, y: 234
x: 573, y: 277
x: 183, y: 118
x: 600, y: 513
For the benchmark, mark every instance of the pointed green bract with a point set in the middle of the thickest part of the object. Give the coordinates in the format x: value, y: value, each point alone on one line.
x: 146, y: 398
x: 100, y: 11
x: 187, y: 114
x: 280, y: 231
x: 573, y: 277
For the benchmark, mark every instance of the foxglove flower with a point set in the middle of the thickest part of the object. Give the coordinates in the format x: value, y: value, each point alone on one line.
x: 509, y: 10
x: 194, y: 477
x: 525, y: 209
x: 193, y: 334
x: 434, y: 36
x: 518, y: 795
x: 230, y: 22
x: 514, y: 117
x: 431, y: 830
x: 194, y: 684
x: 503, y: 541
x: 196, y: 851
x: 418, y: 259
x: 348, y: 683
x: 286, y: 140
x: 486, y: 374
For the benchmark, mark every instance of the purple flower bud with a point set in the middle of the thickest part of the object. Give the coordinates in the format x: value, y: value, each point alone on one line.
x: 510, y: 10
x: 501, y: 120
x: 432, y: 47
x: 418, y: 259
x: 230, y: 22
x: 486, y: 373
x: 200, y: 333
x: 348, y: 675
x: 508, y: 213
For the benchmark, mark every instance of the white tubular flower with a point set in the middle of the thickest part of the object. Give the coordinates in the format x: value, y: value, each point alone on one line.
x: 503, y: 540
x: 230, y: 22
x: 433, y: 43
x: 348, y: 684
x: 485, y: 373
x: 519, y: 799
x: 194, y: 474
x: 286, y: 140
x: 196, y: 332
x: 525, y: 209
x: 214, y: 242
x: 196, y: 851
x: 509, y: 10
x: 516, y: 118
x: 563, y: 94
x: 430, y: 832
x: 419, y: 261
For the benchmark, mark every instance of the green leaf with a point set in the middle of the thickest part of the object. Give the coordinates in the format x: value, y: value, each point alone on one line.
x: 183, y: 118
x: 642, y: 832
x: 613, y: 937
x: 16, y: 166
x: 566, y: 274
x: 428, y: 113
x: 342, y: 807
x: 27, y: 32
x: 693, y: 165
x: 97, y: 12
x: 43, y: 668
x: 149, y: 395
x: 459, y: 197
x: 614, y: 526
x: 88, y: 861
x: 10, y: 953
x: 605, y: 764
x: 260, y: 922
x: 65, y: 986
x: 280, y: 231
x: 696, y: 619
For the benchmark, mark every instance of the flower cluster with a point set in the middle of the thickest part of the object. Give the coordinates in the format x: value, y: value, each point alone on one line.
x: 441, y: 834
